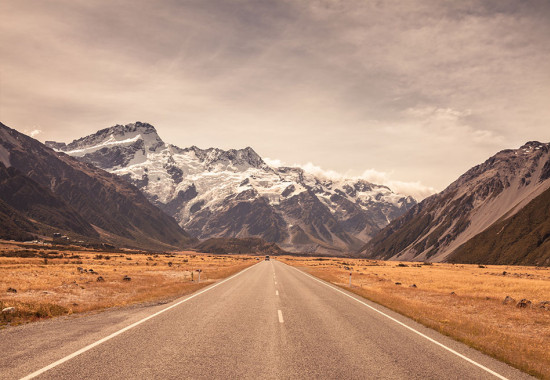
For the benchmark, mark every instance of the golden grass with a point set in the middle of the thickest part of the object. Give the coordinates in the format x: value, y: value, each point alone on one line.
x: 461, y: 301
x: 54, y: 286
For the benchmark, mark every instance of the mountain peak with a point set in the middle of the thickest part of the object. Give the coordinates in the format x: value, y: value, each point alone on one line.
x: 533, y: 145
x: 133, y: 127
x: 133, y: 134
x: 245, y: 157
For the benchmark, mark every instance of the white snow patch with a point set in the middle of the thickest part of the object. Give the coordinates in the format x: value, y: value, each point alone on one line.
x: 111, y: 141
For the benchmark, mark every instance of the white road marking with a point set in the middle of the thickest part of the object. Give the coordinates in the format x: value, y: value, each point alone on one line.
x: 407, y: 327
x: 276, y: 292
x: 281, y: 320
x: 90, y: 346
x: 275, y: 282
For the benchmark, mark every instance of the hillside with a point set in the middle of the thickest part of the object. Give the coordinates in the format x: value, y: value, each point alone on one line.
x: 499, y: 188
x: 251, y: 245
x: 522, y: 239
x: 40, y: 204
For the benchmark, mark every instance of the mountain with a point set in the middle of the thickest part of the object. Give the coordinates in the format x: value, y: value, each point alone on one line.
x: 234, y: 193
x: 497, y: 212
x: 250, y: 245
x: 55, y: 190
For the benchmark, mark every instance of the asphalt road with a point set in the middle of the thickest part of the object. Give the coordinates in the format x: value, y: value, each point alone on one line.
x: 270, y: 321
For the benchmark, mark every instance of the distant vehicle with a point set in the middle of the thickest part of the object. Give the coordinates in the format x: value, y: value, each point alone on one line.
x: 267, y: 258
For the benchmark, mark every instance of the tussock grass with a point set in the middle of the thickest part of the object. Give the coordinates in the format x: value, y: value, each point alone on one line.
x: 53, y: 286
x: 461, y: 301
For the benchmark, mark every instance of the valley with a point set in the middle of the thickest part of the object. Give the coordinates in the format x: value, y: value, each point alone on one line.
x: 275, y: 190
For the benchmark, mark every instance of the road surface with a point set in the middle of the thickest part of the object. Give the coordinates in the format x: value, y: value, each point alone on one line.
x: 270, y: 321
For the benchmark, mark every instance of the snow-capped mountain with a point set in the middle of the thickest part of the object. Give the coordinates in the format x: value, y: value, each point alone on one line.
x: 234, y: 193
x: 488, y: 195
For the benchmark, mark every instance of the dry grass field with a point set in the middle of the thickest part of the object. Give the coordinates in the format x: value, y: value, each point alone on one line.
x: 461, y: 301
x: 61, y: 282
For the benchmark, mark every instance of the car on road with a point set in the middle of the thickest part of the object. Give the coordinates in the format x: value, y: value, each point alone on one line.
x: 267, y: 258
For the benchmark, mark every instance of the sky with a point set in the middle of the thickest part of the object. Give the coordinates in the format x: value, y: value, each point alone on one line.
x: 410, y: 94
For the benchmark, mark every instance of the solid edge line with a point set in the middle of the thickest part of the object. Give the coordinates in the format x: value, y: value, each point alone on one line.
x: 103, y: 340
x: 404, y: 325
x: 280, y: 313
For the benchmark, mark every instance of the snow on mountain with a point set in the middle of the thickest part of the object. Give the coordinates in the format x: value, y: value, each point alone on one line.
x: 234, y: 193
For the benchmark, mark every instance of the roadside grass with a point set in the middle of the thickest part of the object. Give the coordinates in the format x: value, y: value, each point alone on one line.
x: 49, y: 287
x: 464, y: 302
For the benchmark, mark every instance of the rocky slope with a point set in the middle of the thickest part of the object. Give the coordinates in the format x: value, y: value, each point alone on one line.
x: 250, y: 245
x: 522, y: 239
x: 56, y: 190
x: 234, y: 193
x: 488, y: 197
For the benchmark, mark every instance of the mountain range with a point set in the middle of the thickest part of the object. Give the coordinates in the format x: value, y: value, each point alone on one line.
x: 125, y: 185
x: 233, y: 193
x: 497, y: 212
x: 43, y: 192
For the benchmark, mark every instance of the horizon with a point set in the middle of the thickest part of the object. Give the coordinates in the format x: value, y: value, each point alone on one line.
x: 406, y: 94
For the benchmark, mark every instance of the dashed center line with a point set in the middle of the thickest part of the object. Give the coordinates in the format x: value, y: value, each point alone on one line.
x: 281, y: 320
x: 276, y: 292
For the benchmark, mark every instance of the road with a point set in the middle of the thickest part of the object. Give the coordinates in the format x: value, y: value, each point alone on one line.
x: 270, y: 321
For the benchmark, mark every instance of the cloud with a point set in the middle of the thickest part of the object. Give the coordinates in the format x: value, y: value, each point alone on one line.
x: 274, y: 163
x: 415, y: 189
x: 33, y: 133
x: 451, y: 124
x: 320, y: 172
